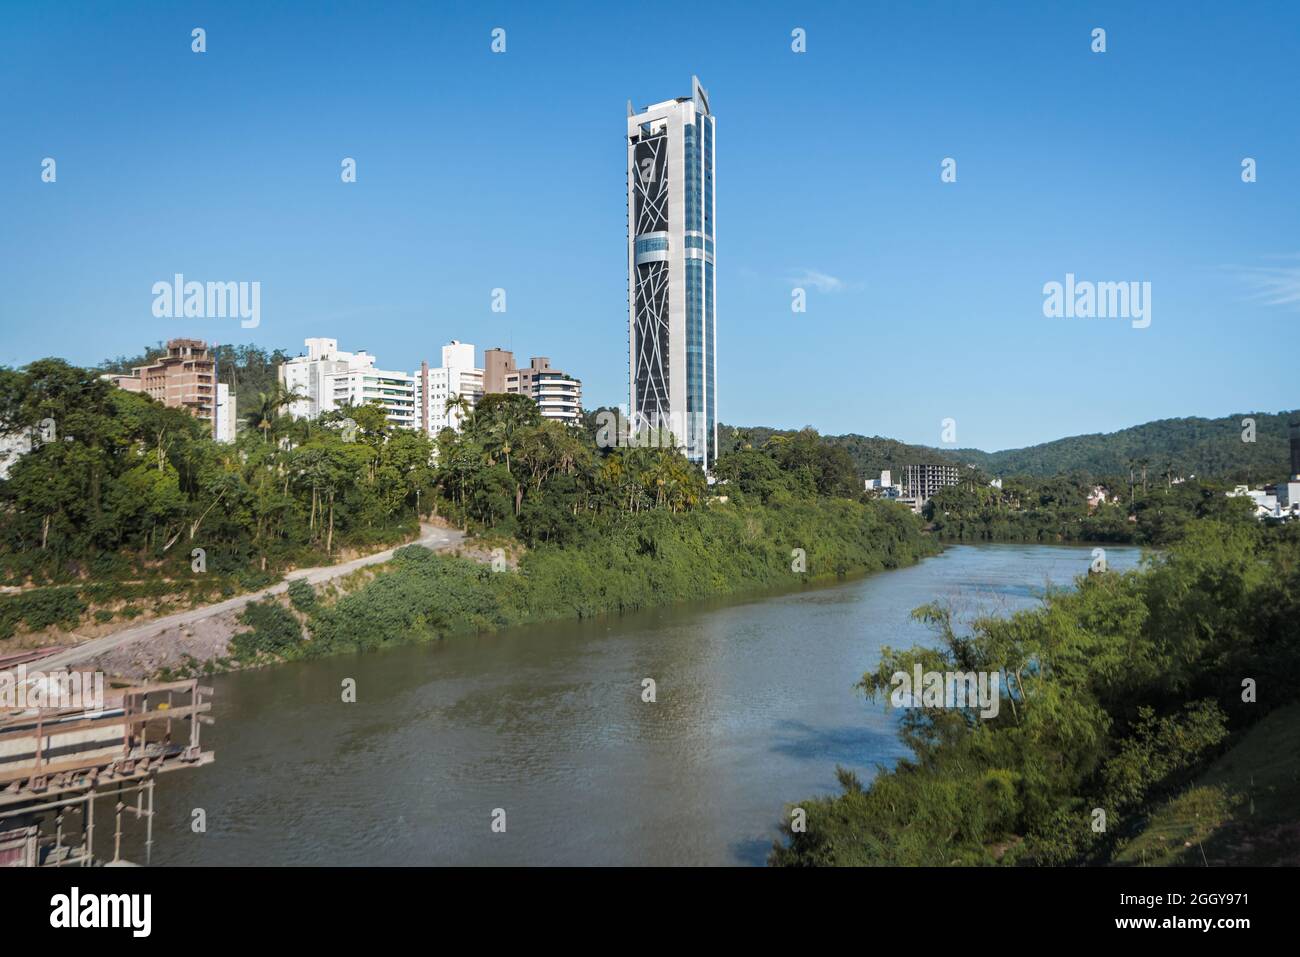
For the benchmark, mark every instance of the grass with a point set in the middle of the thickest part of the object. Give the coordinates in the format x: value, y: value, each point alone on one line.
x: 1243, y: 810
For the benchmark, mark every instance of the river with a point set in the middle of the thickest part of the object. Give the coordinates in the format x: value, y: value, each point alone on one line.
x: 755, y: 708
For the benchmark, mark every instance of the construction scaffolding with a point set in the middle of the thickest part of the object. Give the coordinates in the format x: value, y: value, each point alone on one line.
x: 56, y: 763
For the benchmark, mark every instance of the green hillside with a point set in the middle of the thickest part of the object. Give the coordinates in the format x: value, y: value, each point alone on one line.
x: 870, y: 454
x: 1206, y: 448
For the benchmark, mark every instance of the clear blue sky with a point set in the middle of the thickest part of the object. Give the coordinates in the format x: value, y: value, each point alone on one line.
x: 478, y: 170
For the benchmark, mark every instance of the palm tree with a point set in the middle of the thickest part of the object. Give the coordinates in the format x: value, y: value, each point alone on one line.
x: 267, y: 408
x: 460, y: 404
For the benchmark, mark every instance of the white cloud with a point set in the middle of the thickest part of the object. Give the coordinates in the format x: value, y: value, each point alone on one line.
x: 822, y: 282
x: 1272, y: 285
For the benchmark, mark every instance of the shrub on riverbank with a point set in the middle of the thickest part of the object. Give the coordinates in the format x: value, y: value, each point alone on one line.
x: 1125, y: 688
x: 273, y: 631
x: 642, y: 561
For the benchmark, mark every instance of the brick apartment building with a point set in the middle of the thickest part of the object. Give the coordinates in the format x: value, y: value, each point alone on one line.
x: 184, y: 378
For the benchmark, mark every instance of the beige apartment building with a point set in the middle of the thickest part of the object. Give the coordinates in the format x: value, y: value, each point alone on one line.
x: 558, y: 395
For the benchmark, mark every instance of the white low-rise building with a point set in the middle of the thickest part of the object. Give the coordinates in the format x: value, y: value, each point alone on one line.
x: 881, y: 484
x: 1281, y: 501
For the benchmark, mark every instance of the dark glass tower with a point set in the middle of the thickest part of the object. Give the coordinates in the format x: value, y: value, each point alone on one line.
x: 1295, y: 451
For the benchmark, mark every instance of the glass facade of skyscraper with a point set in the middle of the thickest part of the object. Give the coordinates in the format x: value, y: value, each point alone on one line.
x: 672, y: 321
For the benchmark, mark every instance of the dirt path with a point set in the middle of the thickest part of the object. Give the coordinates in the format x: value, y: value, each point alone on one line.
x: 434, y: 538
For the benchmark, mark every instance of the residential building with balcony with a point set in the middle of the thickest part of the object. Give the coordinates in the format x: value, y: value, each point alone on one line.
x: 558, y: 395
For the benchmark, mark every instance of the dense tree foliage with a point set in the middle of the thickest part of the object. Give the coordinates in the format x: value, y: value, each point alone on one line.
x: 127, y: 485
x: 868, y: 455
x: 127, y: 489
x: 1114, y: 694
x: 1206, y: 448
x: 1057, y: 510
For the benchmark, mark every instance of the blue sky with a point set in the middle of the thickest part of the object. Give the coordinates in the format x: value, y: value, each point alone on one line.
x: 479, y: 170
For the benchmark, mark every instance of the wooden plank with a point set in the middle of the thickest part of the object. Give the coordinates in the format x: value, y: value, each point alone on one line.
x: 159, y: 714
x: 67, y: 727
x: 162, y: 714
x: 169, y: 763
x: 155, y: 687
x: 25, y: 716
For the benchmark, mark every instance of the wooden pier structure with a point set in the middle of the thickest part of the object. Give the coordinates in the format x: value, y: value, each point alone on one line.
x: 56, y: 763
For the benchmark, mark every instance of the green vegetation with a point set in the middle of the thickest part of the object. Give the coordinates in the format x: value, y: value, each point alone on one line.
x: 640, y: 561
x: 868, y: 456
x: 1242, y: 810
x: 1120, y: 693
x: 68, y: 606
x: 126, y: 489
x: 1206, y: 448
x: 274, y: 632
x: 1057, y: 510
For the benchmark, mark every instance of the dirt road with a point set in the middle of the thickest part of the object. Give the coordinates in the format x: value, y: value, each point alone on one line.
x: 434, y: 538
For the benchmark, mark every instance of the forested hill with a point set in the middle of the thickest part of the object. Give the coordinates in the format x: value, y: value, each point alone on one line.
x: 870, y: 454
x: 1207, y: 448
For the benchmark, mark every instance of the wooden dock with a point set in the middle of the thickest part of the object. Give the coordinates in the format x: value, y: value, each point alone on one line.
x: 56, y: 763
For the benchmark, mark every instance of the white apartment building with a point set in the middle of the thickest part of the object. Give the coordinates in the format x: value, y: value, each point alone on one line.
x: 457, y: 376
x: 225, y: 415
x: 557, y: 394
x: 393, y: 391
x: 309, y: 375
x: 330, y: 379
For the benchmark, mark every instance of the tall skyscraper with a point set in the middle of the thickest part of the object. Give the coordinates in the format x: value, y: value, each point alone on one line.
x: 672, y: 320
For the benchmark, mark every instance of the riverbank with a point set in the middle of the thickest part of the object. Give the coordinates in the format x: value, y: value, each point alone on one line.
x: 752, y: 703
x: 182, y: 642
x: 644, y: 561
x: 1125, y: 690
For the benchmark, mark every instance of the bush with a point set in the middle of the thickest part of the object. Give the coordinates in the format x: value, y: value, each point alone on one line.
x: 274, y: 632
x: 42, y: 608
x: 302, y: 596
